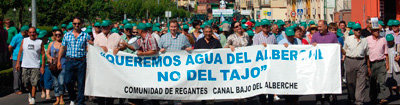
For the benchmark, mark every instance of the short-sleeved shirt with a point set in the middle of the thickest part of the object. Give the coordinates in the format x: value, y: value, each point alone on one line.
x: 179, y: 42
x: 212, y: 44
x: 76, y: 47
x: 295, y: 42
x: 16, y: 44
x: 12, y: 31
x: 125, y: 38
x: 147, y: 43
x: 238, y: 41
x: 111, y: 42
x: 327, y: 38
x: 377, y: 48
x: 260, y: 38
x: 355, y: 48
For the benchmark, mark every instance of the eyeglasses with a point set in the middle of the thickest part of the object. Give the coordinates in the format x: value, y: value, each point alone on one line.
x: 237, y: 26
x: 357, y: 29
x: 135, y: 32
x: 76, y: 23
x: 58, y: 35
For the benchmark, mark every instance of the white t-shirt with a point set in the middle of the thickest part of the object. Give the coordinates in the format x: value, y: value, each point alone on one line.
x: 31, y: 53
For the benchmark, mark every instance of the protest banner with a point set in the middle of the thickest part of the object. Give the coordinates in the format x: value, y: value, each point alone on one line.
x: 215, y: 74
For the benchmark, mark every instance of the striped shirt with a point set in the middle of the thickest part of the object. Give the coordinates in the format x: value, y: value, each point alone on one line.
x: 260, y: 38
x: 179, y: 42
x: 147, y: 44
x: 76, y: 47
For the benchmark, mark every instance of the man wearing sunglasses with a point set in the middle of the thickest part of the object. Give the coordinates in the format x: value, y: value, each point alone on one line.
x: 130, y: 37
x: 97, y: 29
x: 265, y: 36
x: 75, y: 44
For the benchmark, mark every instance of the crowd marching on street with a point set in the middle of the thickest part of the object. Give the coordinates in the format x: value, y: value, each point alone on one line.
x: 56, y: 60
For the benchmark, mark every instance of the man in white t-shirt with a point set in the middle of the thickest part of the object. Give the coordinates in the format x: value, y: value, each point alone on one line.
x: 33, y: 51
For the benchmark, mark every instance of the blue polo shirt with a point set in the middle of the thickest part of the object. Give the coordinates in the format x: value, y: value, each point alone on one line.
x: 16, y: 44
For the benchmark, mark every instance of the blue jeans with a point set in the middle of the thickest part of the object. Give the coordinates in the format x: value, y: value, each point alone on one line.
x: 58, y: 83
x: 45, y: 79
x: 75, y: 70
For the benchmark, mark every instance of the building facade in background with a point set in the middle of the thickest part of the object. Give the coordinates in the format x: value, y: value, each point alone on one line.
x: 361, y: 10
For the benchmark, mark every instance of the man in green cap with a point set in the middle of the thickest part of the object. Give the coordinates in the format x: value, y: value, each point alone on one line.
x: 97, y: 29
x: 107, y: 40
x: 63, y: 27
x: 395, y: 31
x: 12, y: 31
x: 146, y: 45
x: 69, y: 28
x: 290, y: 39
x: 129, y: 37
x: 13, y: 48
x: 378, y: 64
x: 355, y: 49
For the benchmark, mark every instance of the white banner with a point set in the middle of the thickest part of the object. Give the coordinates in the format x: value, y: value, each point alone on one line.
x: 225, y: 12
x: 215, y: 74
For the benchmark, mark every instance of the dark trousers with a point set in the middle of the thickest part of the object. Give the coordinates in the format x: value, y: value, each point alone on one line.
x: 75, y: 71
x: 378, y: 89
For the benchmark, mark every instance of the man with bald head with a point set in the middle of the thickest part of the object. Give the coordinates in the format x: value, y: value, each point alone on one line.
x: 323, y: 36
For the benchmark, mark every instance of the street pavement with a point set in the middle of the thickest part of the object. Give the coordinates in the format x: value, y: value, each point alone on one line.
x: 14, y: 99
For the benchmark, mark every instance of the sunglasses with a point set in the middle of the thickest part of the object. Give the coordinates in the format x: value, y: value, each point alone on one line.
x: 58, y: 35
x: 357, y: 29
x: 76, y: 23
x: 237, y: 26
x: 135, y: 32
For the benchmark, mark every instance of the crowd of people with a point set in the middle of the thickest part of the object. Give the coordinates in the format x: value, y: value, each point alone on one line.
x: 56, y: 60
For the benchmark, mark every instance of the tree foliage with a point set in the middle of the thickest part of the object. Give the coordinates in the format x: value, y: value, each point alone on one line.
x: 56, y: 12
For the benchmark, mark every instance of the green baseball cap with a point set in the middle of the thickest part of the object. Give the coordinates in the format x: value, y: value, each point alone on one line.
x: 105, y: 23
x: 244, y: 20
x: 149, y: 25
x: 156, y: 29
x: 121, y: 27
x: 25, y: 28
x: 69, y: 26
x: 89, y: 27
x: 97, y: 24
x: 351, y: 32
x: 128, y: 26
x: 37, y: 30
x: 381, y: 23
x: 158, y: 24
x: 55, y: 28
x: 63, y: 25
x: 185, y: 27
x: 396, y: 23
x: 42, y: 33
x: 356, y: 26
x: 350, y: 24
x: 133, y: 24
x: 114, y: 30
x: 250, y: 33
x: 390, y: 22
x: 203, y: 25
x: 289, y: 32
x: 311, y: 22
x: 89, y: 30
x: 257, y: 24
x: 244, y: 26
x: 125, y: 21
x: 389, y: 37
x: 141, y: 26
x: 70, y: 23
